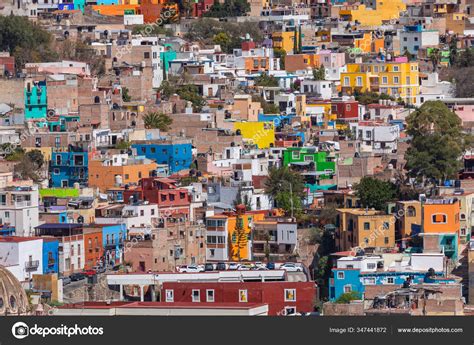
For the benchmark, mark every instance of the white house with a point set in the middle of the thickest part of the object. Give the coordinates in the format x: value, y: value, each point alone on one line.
x: 23, y: 256
x: 19, y: 209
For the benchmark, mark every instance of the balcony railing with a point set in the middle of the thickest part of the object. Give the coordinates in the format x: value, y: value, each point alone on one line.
x: 22, y: 203
x: 32, y: 265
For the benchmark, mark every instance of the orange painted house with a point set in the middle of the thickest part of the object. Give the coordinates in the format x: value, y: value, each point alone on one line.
x: 257, y: 64
x: 93, y: 249
x: 441, y: 217
x: 152, y: 10
x: 103, y: 174
x: 239, y: 245
x: 441, y: 226
x: 298, y: 62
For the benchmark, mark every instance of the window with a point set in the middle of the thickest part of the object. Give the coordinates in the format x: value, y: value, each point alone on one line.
x: 243, y: 296
x: 396, y: 80
x: 209, y: 295
x: 290, y: 310
x: 384, y: 80
x: 146, y: 55
x: 340, y: 275
x: 439, y: 218
x: 359, y: 81
x: 369, y: 281
x: 295, y: 155
x: 169, y: 295
x: 366, y: 226
x: 386, y: 225
x: 347, y: 81
x: 390, y: 280
x: 290, y: 295
x: 347, y: 288
x: 411, y: 211
x: 196, y: 296
x: 308, y: 158
x: 371, y: 266
x: 386, y: 240
x: 395, y: 68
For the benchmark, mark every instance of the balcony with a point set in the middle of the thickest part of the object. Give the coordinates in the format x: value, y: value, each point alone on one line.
x: 31, y: 265
x: 22, y: 203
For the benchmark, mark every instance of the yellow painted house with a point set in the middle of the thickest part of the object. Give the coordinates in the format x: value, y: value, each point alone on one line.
x: 397, y: 78
x: 261, y: 134
x: 384, y: 10
x: 284, y: 40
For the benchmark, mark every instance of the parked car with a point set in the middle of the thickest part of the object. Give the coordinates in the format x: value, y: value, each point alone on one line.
x: 90, y: 273
x: 233, y: 266
x: 66, y: 280
x: 221, y: 266
x: 208, y: 267
x: 271, y: 265
x: 245, y: 267
x: 182, y: 268
x: 291, y: 267
x: 77, y: 276
x: 99, y: 269
x: 194, y: 269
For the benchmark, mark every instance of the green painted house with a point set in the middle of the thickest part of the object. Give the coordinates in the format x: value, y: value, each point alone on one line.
x: 322, y: 163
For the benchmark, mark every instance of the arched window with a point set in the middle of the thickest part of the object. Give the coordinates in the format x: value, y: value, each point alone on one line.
x: 96, y: 99
x: 411, y: 211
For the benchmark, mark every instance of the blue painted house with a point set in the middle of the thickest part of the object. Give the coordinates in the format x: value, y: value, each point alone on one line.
x: 177, y: 155
x: 113, y: 237
x: 68, y: 167
x: 36, y: 104
x: 345, y: 280
x: 50, y: 255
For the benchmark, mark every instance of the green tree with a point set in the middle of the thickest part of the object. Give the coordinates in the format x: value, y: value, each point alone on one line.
x: 295, y: 41
x: 36, y: 156
x: 319, y: 73
x: 435, y: 58
x: 281, y: 54
x: 125, y: 96
x: 123, y: 145
x: 290, y: 203
x: 437, y: 143
x: 286, y: 187
x: 157, y: 121
x: 25, y: 41
x: 265, y: 80
x: 453, y: 51
x: 347, y: 297
x: 230, y: 8
x: 374, y: 193
x: 224, y: 41
x: 190, y: 92
x: 370, y: 97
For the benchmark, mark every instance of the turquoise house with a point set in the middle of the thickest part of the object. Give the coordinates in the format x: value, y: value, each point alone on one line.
x: 36, y: 104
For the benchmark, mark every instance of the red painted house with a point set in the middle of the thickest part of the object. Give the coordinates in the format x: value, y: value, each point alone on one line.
x: 164, y: 192
x: 202, y: 6
x: 282, y: 297
x: 345, y: 110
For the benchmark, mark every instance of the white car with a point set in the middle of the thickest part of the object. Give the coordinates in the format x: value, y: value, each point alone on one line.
x: 244, y: 267
x: 190, y: 269
x: 233, y: 266
x: 291, y: 267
